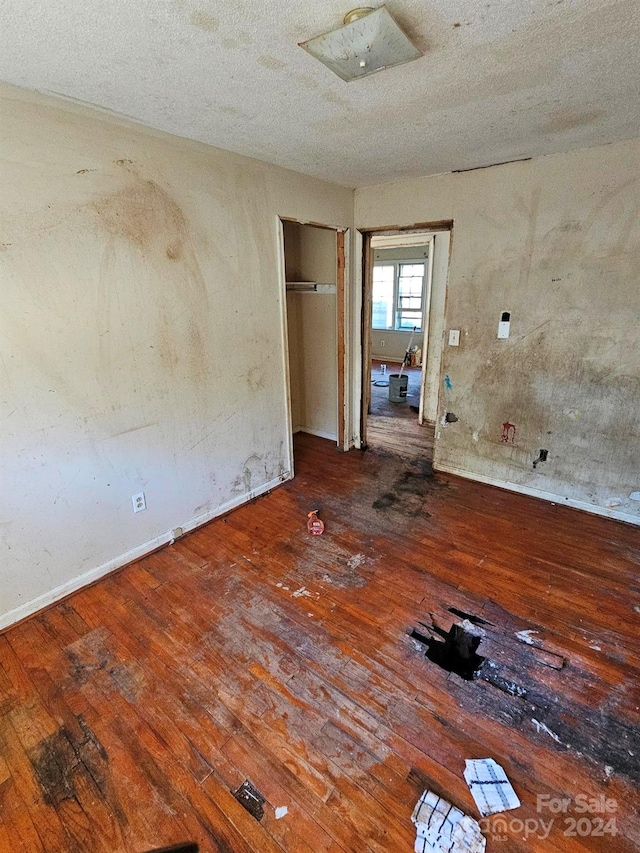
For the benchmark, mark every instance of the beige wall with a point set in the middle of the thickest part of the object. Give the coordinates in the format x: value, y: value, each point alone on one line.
x: 318, y: 260
x: 310, y: 255
x: 555, y: 241
x: 140, y: 338
x: 313, y: 351
x: 294, y: 326
x: 391, y: 345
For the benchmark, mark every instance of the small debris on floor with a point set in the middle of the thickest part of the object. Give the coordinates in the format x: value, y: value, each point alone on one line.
x: 442, y: 828
x: 281, y: 811
x: 526, y: 637
x: 302, y: 592
x: 356, y: 560
x: 315, y: 525
x: 251, y: 799
x: 490, y: 787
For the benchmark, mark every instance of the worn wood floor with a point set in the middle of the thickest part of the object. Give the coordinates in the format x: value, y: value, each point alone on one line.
x: 250, y: 650
x: 394, y: 427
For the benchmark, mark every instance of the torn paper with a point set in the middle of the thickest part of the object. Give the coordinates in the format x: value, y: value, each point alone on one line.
x: 442, y: 828
x: 281, y: 811
x: 490, y: 787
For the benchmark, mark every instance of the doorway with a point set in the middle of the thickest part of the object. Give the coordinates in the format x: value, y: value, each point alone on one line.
x: 314, y: 272
x: 404, y: 287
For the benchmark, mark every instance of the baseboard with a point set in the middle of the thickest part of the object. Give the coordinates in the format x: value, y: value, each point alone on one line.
x: 48, y: 598
x: 539, y: 493
x: 387, y: 359
x: 332, y: 436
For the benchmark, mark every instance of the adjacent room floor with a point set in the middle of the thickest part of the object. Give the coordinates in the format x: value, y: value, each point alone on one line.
x: 250, y: 650
x: 394, y: 427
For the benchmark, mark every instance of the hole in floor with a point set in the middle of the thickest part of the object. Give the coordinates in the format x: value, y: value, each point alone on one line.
x: 456, y: 651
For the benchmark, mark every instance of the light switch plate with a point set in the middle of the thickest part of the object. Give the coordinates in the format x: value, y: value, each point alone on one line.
x: 454, y: 337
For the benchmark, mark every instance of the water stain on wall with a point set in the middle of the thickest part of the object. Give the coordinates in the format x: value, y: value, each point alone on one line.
x: 197, y: 349
x: 570, y: 119
x: 272, y: 62
x: 148, y: 228
x: 166, y: 349
x: 256, y: 378
x: 142, y: 213
x: 204, y: 21
x: 174, y: 251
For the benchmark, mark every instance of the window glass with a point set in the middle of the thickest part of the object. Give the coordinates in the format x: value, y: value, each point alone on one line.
x: 383, y: 286
x: 397, y: 296
x: 410, y: 286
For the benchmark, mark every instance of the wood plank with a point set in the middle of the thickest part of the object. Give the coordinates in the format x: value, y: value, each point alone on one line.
x: 250, y: 650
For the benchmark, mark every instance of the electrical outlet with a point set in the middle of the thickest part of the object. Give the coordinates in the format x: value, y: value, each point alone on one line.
x: 139, y: 502
x: 454, y: 337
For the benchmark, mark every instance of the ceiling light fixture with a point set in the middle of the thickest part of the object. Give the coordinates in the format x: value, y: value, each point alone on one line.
x: 369, y: 41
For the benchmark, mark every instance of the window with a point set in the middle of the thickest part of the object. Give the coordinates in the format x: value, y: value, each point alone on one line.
x: 384, y: 277
x: 398, y: 295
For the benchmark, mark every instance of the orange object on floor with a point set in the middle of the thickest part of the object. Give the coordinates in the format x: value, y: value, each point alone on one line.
x: 315, y: 525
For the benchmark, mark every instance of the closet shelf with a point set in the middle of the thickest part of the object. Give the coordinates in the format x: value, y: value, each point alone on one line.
x: 310, y: 287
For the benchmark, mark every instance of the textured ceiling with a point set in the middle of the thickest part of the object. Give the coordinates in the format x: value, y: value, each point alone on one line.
x: 499, y: 80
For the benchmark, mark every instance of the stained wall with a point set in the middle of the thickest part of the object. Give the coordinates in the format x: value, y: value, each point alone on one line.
x: 556, y: 242
x: 141, y: 338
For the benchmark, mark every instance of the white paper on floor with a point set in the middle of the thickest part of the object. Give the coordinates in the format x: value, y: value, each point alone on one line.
x: 490, y: 787
x: 442, y: 828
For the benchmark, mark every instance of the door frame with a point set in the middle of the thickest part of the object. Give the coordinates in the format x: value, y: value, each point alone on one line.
x: 342, y: 266
x: 439, y: 236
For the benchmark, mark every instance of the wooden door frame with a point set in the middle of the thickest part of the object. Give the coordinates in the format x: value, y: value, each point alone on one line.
x: 365, y: 333
x: 341, y: 319
x: 429, y: 230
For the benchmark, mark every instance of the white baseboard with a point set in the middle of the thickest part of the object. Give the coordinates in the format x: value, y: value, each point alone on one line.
x: 539, y: 493
x: 332, y: 436
x: 65, y: 589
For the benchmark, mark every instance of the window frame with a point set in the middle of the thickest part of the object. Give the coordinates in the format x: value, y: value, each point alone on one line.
x: 397, y: 264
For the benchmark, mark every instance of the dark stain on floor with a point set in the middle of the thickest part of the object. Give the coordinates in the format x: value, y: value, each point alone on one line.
x: 515, y: 690
x: 406, y: 493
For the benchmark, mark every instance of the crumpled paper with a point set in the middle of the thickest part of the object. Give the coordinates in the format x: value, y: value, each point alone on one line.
x: 442, y: 828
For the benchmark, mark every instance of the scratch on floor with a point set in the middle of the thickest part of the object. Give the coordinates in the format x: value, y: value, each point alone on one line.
x: 540, y: 727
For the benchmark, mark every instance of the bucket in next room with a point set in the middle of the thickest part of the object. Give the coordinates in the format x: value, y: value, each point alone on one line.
x: 398, y: 387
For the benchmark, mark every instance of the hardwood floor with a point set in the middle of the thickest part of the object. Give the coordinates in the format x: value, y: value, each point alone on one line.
x: 394, y: 427
x: 251, y: 650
